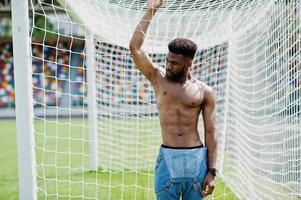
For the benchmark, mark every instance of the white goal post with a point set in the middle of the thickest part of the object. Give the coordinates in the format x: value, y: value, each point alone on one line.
x: 24, y: 100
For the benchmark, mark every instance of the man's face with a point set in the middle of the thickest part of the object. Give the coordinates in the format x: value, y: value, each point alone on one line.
x: 175, y: 66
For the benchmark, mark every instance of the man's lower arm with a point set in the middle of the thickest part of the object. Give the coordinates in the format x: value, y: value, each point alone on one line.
x: 211, y: 144
x: 141, y: 29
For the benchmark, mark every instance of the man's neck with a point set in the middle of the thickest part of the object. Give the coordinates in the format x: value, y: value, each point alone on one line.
x: 180, y: 79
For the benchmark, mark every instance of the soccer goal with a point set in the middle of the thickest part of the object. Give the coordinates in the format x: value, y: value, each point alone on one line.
x: 87, y: 122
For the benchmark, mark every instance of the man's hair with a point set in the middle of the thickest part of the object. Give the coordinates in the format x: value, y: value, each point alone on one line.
x: 183, y: 46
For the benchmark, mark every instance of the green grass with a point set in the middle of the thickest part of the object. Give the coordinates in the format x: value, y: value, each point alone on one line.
x: 62, y: 153
x: 8, y: 161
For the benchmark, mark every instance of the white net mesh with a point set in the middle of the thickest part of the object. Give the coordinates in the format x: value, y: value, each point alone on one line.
x: 264, y: 119
x: 211, y: 20
x: 249, y: 52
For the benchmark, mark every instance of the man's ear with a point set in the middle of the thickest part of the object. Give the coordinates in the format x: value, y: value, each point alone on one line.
x: 188, y: 63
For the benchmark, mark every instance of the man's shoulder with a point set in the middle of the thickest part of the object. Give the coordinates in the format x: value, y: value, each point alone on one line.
x: 207, y: 91
x: 202, y: 84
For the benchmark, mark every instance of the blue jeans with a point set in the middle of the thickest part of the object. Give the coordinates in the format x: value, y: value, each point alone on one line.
x: 180, y: 172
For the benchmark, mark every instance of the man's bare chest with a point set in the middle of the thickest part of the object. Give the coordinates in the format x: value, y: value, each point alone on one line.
x: 189, y: 94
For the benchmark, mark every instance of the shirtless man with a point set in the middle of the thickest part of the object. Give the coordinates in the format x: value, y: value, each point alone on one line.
x: 184, y: 166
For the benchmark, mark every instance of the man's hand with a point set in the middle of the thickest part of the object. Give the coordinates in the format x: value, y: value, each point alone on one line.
x: 208, y: 185
x: 154, y: 4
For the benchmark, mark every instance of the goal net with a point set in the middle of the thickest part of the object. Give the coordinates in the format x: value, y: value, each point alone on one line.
x: 96, y: 124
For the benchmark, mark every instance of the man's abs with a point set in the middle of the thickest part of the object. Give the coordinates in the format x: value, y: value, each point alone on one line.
x: 179, y: 126
x: 184, y: 139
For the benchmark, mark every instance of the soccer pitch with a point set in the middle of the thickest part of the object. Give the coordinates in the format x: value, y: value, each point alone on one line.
x: 76, y: 183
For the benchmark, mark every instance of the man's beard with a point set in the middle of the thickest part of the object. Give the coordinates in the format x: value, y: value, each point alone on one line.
x: 177, y: 76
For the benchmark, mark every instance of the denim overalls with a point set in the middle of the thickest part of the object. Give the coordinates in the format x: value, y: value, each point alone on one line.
x: 180, y: 172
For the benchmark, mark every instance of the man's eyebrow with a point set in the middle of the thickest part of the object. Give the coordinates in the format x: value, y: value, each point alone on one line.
x: 172, y: 60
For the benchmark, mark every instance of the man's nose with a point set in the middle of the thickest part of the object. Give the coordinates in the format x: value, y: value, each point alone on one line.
x: 168, y: 66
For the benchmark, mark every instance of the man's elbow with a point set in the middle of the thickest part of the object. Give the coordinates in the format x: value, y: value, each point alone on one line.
x: 211, y: 139
x: 133, y: 47
x: 211, y: 133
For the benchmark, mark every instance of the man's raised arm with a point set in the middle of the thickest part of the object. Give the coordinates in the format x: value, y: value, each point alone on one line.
x: 141, y: 58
